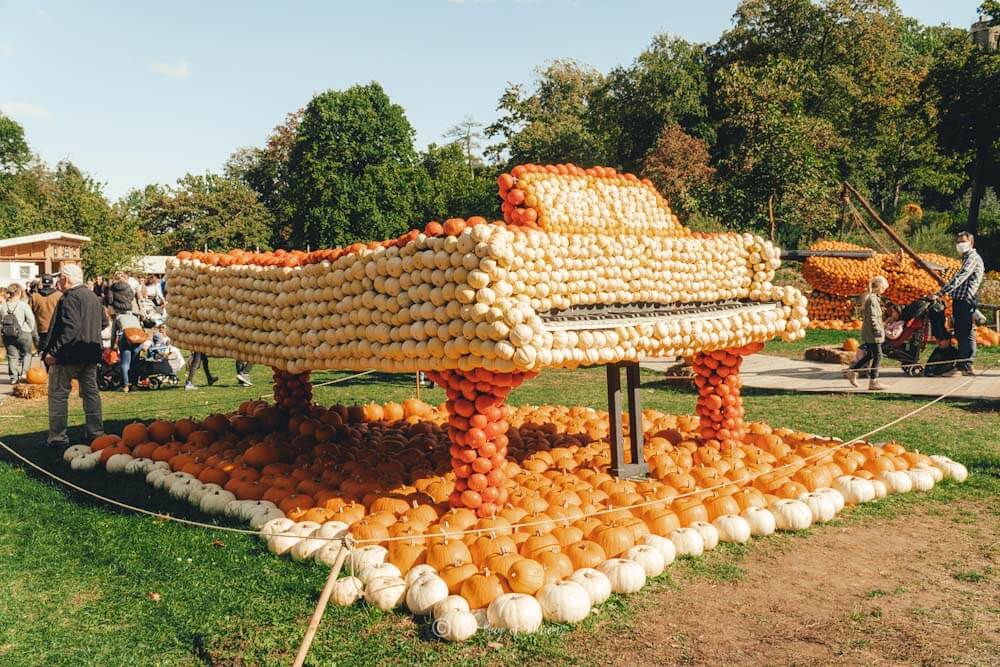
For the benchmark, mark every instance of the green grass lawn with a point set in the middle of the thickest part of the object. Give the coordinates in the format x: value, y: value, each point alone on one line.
x: 77, y: 578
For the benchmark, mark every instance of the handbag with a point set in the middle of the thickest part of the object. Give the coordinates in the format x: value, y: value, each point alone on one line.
x: 135, y: 336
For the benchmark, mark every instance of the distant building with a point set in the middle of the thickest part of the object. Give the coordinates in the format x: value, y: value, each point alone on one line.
x: 986, y: 36
x: 24, y: 258
x: 152, y: 264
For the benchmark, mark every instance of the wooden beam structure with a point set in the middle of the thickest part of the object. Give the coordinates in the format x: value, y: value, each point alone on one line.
x: 619, y: 467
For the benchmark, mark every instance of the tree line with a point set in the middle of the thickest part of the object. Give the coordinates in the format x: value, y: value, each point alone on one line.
x: 755, y: 131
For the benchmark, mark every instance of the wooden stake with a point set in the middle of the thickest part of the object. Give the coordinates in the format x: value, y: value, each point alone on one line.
x: 894, y: 236
x: 324, y: 599
x: 770, y: 214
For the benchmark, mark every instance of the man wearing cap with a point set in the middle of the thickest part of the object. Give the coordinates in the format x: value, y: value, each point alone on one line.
x: 73, y: 351
x: 43, y: 305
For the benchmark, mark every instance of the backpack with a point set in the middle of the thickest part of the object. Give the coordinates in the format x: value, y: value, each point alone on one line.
x: 942, y: 360
x: 9, y: 326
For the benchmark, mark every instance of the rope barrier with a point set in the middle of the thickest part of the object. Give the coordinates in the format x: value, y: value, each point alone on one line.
x: 475, y: 531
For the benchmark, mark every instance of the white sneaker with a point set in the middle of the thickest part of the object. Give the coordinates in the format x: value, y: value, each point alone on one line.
x: 188, y: 386
x: 243, y: 380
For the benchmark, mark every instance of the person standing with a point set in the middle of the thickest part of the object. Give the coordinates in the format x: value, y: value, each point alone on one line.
x: 43, y: 305
x: 198, y: 358
x: 120, y: 295
x: 127, y: 336
x: 17, y: 324
x: 872, y: 336
x: 963, y: 289
x: 99, y: 287
x: 74, y: 351
x: 243, y: 373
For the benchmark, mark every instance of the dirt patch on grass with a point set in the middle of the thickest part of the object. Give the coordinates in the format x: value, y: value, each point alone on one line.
x: 923, y: 589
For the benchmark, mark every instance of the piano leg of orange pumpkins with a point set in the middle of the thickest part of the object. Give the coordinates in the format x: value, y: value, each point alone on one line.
x: 720, y: 405
x: 477, y: 427
x: 292, y: 391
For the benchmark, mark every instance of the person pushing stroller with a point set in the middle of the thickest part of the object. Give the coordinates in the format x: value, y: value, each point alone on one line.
x: 872, y: 336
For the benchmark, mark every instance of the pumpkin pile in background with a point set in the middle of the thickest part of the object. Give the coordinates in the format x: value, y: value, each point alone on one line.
x: 565, y: 534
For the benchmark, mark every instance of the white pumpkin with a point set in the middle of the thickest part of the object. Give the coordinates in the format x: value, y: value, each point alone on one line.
x: 347, y: 591
x: 933, y: 471
x: 450, y: 603
x: 791, y: 514
x: 275, y: 526
x: 180, y: 490
x: 515, y: 612
x: 117, y: 463
x: 835, y: 496
x: 820, y: 505
x: 688, y: 542
x: 318, y: 539
x: 385, y: 592
x: 216, y: 501
x: 195, y: 496
x: 234, y: 510
x: 567, y: 601
x: 418, y: 571
x: 175, y: 478
x: 261, y: 518
x: 854, y: 489
x: 76, y: 450
x: 732, y: 528
x: 139, y: 466
x: 648, y: 557
x: 456, y: 625
x: 880, y: 490
x: 368, y: 556
x: 282, y: 542
x: 663, y: 545
x: 85, y: 461
x: 595, y: 582
x: 761, y: 521
x: 626, y: 576
x: 921, y: 479
x: 896, y: 481
x: 424, y: 593
x: 956, y: 472
x: 376, y: 571
x: 251, y: 508
x: 709, y: 535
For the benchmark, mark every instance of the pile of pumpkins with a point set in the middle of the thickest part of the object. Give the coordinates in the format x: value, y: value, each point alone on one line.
x: 470, y: 294
x: 568, y: 534
x: 837, y: 282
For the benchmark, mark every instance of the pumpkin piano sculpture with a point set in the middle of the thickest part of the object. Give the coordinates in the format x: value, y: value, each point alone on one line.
x: 588, y: 267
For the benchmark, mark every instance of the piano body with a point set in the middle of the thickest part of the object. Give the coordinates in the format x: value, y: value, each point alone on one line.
x: 589, y: 267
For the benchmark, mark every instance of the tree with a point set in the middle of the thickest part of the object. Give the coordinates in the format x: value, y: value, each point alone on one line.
x: 202, y: 211
x: 456, y: 191
x: 549, y: 123
x: 353, y: 173
x: 666, y: 85
x: 678, y: 165
x: 14, y: 151
x: 467, y: 133
x: 265, y: 170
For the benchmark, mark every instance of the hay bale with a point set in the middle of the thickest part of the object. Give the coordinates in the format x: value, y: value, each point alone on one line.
x: 829, y: 354
x: 30, y: 391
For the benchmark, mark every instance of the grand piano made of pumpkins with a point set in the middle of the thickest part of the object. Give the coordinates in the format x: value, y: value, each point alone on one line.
x: 588, y: 267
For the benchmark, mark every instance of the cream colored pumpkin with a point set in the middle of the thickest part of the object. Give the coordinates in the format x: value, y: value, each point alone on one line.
x: 791, y: 514
x: 346, y: 591
x: 880, y: 490
x: 564, y: 601
x: 626, y: 576
x: 117, y: 463
x: 367, y: 556
x: 450, y: 603
x: 732, y: 528
x: 933, y: 471
x: 515, y: 612
x: 709, y: 535
x: 87, y: 462
x: 921, y: 479
x: 595, y: 582
x: 76, y: 450
x: 139, y: 466
x: 424, y: 593
x: 761, y: 521
x: 663, y: 544
x: 648, y: 557
x: 854, y: 489
x: 416, y: 572
x: 456, y: 625
x: 385, y: 570
x: 820, y: 505
x: 215, y: 502
x: 688, y: 542
x: 896, y: 481
x: 264, y: 516
x: 385, y: 593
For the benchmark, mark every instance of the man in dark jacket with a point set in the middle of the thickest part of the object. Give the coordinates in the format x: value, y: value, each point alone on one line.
x: 120, y: 295
x: 43, y: 305
x: 74, y: 351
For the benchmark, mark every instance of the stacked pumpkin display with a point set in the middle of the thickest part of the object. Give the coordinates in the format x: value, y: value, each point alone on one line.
x: 564, y: 534
x: 469, y: 294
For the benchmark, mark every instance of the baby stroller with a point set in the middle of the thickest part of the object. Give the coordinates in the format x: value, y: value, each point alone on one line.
x: 907, y: 337
x: 153, y: 369
x: 109, y: 374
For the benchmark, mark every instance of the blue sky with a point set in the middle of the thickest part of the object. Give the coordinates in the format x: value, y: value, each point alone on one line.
x: 141, y: 92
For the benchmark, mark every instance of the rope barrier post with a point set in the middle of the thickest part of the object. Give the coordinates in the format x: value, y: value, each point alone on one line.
x: 324, y: 599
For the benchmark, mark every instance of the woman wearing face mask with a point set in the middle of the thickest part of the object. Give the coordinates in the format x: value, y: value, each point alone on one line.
x: 872, y: 336
x: 963, y: 289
